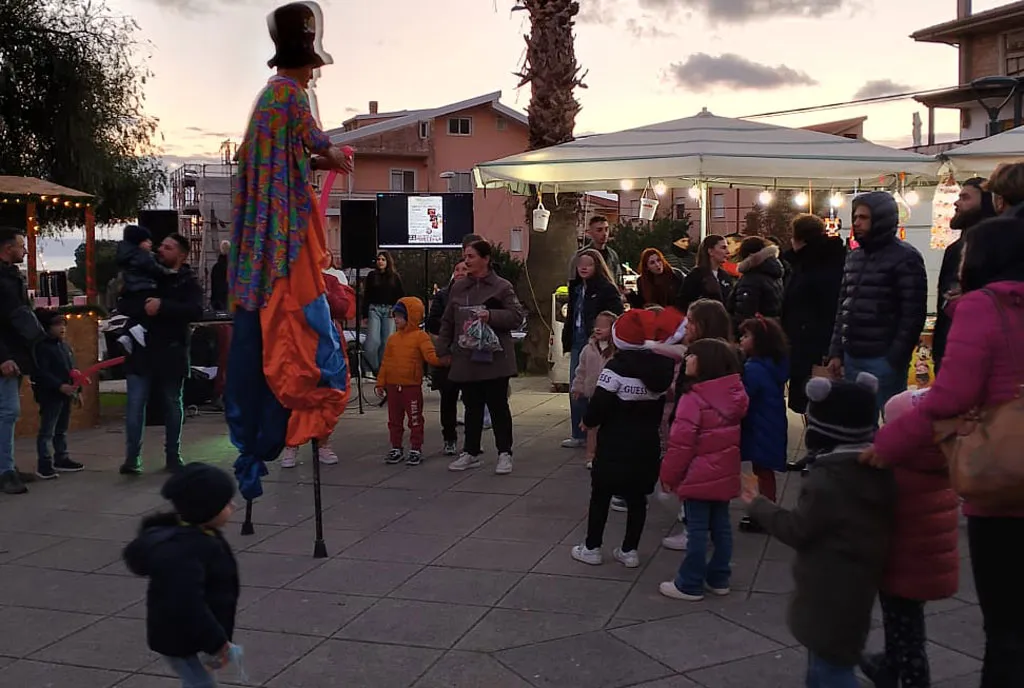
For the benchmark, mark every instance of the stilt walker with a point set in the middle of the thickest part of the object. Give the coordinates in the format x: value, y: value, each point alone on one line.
x: 287, y: 377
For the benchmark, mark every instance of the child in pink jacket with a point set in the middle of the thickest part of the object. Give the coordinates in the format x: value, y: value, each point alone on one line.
x: 592, y: 359
x: 702, y: 465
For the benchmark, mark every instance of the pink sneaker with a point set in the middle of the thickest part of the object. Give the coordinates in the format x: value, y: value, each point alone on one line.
x: 289, y: 457
x: 327, y: 456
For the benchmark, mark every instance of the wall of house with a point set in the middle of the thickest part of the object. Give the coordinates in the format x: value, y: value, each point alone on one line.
x: 985, y: 55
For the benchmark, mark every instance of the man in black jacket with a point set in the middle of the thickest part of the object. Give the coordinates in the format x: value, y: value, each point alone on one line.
x: 19, y: 332
x: 164, y: 361
x: 882, y: 301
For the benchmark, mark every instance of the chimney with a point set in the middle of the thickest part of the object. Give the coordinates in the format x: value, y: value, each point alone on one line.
x: 963, y: 9
x: 373, y: 103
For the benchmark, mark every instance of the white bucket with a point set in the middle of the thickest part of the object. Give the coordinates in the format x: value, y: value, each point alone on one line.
x: 648, y: 207
x: 541, y: 215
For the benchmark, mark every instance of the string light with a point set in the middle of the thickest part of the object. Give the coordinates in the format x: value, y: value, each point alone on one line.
x: 837, y: 200
x: 765, y: 197
x: 695, y: 192
x: 800, y: 199
x: 626, y: 184
x: 660, y: 188
x: 912, y: 197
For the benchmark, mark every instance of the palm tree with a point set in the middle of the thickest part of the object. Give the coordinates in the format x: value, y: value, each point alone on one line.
x: 551, y: 70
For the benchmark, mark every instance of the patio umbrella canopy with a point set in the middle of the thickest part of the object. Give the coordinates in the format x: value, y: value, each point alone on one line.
x: 706, y: 149
x: 984, y: 156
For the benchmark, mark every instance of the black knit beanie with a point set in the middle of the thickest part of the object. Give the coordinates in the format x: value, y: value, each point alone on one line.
x: 135, y: 234
x: 841, y: 412
x: 199, y: 492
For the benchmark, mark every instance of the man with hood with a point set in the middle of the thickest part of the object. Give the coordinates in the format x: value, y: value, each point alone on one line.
x: 882, y: 300
x: 973, y: 206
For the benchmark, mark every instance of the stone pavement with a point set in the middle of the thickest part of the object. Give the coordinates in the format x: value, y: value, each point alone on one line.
x: 434, y: 579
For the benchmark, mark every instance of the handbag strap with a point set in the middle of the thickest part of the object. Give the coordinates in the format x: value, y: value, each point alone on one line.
x: 1005, y: 318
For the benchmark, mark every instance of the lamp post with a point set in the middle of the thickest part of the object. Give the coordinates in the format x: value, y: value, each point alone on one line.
x: 989, y: 87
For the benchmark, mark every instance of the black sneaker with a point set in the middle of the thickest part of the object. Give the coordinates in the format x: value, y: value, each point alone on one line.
x: 46, y: 473
x: 10, y: 483
x: 748, y: 525
x: 174, y: 467
x: 68, y: 466
x: 450, y: 449
x: 415, y: 458
x: 394, y: 456
x: 130, y: 469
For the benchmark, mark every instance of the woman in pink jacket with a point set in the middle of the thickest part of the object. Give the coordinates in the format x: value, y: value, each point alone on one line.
x: 702, y: 465
x: 983, y: 367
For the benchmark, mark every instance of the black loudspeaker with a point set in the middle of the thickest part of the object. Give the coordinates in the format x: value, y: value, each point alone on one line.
x: 358, y: 234
x: 160, y: 223
x: 53, y: 285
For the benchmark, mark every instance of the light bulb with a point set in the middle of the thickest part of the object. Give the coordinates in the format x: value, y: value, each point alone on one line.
x: 626, y: 184
x: 800, y: 199
x: 912, y: 197
x: 695, y: 192
x: 765, y: 197
x: 836, y: 201
x: 660, y: 188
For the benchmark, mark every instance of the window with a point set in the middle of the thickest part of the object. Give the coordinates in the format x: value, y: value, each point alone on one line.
x: 501, y: 123
x: 403, y: 180
x: 1013, y: 48
x: 462, y: 182
x: 424, y: 130
x: 718, y: 206
x: 680, y: 210
x: 460, y: 126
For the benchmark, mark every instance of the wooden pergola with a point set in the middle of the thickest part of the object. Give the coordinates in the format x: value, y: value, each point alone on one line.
x: 35, y: 193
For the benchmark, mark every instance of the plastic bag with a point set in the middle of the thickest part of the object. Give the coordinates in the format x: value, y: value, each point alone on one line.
x: 478, y: 338
x: 235, y: 657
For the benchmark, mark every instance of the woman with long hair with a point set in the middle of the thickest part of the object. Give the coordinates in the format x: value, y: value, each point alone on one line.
x: 382, y: 289
x: 708, y: 280
x: 659, y: 282
x: 592, y: 291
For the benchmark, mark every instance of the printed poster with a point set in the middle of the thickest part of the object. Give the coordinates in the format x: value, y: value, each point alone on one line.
x: 426, y: 222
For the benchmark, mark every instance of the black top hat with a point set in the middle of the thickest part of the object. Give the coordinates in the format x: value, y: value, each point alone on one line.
x: 296, y: 30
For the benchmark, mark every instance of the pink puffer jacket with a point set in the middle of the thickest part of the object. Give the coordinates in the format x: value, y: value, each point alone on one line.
x: 703, y: 457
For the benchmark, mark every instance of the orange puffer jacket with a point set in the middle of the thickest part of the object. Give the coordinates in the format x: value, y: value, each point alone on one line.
x: 407, y: 349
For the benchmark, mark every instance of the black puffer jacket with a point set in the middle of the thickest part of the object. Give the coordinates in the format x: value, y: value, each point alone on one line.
x: 600, y: 296
x: 759, y: 289
x: 883, y: 298
x: 20, y: 331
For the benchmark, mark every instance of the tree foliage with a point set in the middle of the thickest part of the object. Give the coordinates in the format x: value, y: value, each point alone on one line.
x: 776, y: 219
x: 71, y: 104
x: 106, y: 265
x: 631, y: 237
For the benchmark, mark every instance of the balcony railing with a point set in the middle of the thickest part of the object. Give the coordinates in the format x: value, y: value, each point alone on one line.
x: 936, y: 148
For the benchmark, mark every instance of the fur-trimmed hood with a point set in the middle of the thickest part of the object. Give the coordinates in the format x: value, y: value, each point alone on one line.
x: 766, y: 260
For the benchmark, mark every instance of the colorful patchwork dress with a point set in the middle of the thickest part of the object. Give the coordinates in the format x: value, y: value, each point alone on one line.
x: 287, y: 377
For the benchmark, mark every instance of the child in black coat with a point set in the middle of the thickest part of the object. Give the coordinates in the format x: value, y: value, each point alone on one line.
x: 140, y: 273
x: 193, y: 577
x: 54, y: 391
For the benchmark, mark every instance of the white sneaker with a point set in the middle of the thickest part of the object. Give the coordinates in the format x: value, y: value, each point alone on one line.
x: 327, y: 456
x: 718, y: 592
x: 619, y: 504
x: 464, y: 462
x: 669, y: 589
x: 589, y: 465
x: 630, y: 560
x: 573, y: 443
x: 592, y: 557
x: 289, y: 457
x: 682, y: 514
x: 487, y: 419
x: 675, y: 542
x: 504, y: 466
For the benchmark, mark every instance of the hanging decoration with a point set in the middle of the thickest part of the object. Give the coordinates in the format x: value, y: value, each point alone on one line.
x: 943, y: 210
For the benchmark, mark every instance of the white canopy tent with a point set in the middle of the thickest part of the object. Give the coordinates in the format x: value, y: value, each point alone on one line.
x: 703, y: 151
x: 984, y: 156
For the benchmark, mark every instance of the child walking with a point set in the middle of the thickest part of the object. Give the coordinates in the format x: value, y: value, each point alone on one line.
x: 401, y: 378
x: 626, y: 410
x: 140, y: 272
x: 840, y: 529
x: 702, y: 465
x: 766, y: 426
x: 923, y: 563
x: 53, y: 390
x: 193, y: 577
x: 593, y: 358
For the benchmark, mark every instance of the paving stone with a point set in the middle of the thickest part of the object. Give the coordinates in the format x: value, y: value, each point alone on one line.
x: 968, y: 681
x: 16, y: 545
x: 501, y: 629
x: 288, y: 505
x: 960, y: 630
x: 372, y: 509
x: 944, y: 663
x: 114, y: 643
x: 67, y: 591
x: 407, y: 622
x: 498, y: 555
x: 774, y: 577
x: 570, y: 509
x: 592, y: 660
x: 272, y: 570
x: 560, y: 562
x: 307, y: 613
x: 458, y: 586
x: 469, y: 670
x: 670, y: 682
x: 298, y: 541
x: 694, y: 641
x: 762, y: 614
x: 402, y: 547
x: 23, y: 631
x: 356, y: 577
x: 27, y: 673
x: 342, y: 664
x: 536, y: 592
x: 525, y: 529
x: 143, y: 681
x: 490, y: 484
x: 433, y: 476
x: 779, y: 668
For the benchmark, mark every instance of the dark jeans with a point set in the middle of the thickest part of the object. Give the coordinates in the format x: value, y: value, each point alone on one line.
x: 997, y: 579
x: 601, y: 494
x: 139, y: 387
x: 577, y: 407
x: 905, y: 655
x: 449, y: 410
x: 822, y: 674
x: 492, y: 394
x: 54, y: 417
x: 704, y: 519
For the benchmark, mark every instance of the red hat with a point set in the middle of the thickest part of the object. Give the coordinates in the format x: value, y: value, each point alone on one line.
x: 669, y: 326
x: 634, y: 330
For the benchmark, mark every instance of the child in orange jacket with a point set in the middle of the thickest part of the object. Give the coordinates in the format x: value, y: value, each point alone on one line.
x: 401, y: 377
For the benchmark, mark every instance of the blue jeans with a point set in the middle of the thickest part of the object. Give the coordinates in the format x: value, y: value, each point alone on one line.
x: 135, y: 416
x: 704, y: 519
x: 380, y: 326
x: 192, y: 672
x: 54, y: 418
x: 821, y: 674
x: 890, y: 382
x: 10, y: 410
x: 577, y: 407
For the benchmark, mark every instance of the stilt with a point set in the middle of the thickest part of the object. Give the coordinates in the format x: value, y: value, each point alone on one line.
x: 319, y: 547
x: 247, y: 528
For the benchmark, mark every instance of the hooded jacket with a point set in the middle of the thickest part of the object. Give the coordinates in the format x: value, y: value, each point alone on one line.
x: 627, y: 406
x: 592, y: 361
x: 20, y: 330
x: 703, y: 457
x: 883, y: 297
x: 766, y: 426
x: 840, y: 529
x: 138, y: 267
x: 193, y: 585
x: 54, y: 363
x: 759, y: 289
x: 407, y: 349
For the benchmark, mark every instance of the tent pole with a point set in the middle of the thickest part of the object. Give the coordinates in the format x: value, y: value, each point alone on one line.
x: 705, y: 211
